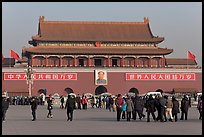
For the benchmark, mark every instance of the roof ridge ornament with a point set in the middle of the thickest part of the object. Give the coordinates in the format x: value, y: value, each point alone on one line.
x: 146, y: 20
x: 42, y: 18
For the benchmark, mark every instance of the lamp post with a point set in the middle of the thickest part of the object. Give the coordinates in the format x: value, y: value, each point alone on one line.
x: 29, y: 80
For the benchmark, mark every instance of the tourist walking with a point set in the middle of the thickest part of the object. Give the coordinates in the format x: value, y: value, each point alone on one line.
x: 70, y: 106
x: 184, y: 108
x: 162, y: 102
x: 124, y: 108
x: 175, y: 108
x: 129, y: 108
x: 78, y: 101
x: 119, y: 104
x: 62, y: 102
x: 150, y: 108
x: 138, y: 107
x: 169, y: 106
x: 199, y: 106
x: 111, y: 104
x: 49, y: 107
x: 158, y: 107
x: 84, y: 102
x: 5, y: 106
x: 34, y: 105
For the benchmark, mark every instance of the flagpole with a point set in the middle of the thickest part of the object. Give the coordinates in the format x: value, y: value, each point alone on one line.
x: 187, y: 60
x: 9, y: 62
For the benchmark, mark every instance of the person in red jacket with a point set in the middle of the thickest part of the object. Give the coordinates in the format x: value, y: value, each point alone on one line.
x: 119, y: 104
x: 84, y: 102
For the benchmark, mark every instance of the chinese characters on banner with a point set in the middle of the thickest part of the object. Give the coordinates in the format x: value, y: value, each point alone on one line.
x: 160, y: 76
x: 128, y: 76
x: 41, y: 76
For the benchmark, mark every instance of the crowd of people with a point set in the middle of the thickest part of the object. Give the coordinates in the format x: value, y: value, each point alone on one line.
x: 158, y: 108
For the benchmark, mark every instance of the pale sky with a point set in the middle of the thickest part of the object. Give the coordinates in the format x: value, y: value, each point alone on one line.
x: 180, y: 23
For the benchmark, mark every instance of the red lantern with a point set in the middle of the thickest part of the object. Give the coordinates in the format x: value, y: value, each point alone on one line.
x: 98, y: 44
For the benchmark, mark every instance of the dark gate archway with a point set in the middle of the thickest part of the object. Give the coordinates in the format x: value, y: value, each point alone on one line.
x: 134, y: 90
x: 44, y: 91
x: 159, y: 90
x: 100, y: 89
x: 68, y: 90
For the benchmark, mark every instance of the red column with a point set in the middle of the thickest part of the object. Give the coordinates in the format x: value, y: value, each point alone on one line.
x: 109, y: 62
x: 163, y: 62
x: 88, y: 62
x: 122, y: 62
x: 91, y: 61
x: 46, y: 61
x: 150, y: 62
x: 135, y: 62
x: 60, y: 63
x: 74, y: 61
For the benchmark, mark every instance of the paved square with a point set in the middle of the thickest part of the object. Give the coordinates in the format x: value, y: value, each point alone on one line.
x: 92, y: 122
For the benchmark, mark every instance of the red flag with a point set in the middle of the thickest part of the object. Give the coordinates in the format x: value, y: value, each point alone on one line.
x: 2, y: 56
x: 191, y: 56
x: 14, y: 55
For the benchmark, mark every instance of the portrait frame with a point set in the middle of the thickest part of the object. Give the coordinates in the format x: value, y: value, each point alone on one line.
x: 103, y: 81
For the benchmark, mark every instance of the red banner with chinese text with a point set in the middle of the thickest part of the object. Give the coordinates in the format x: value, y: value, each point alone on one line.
x: 41, y: 76
x: 160, y: 76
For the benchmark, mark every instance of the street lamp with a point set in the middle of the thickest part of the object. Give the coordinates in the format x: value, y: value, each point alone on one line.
x: 29, y: 80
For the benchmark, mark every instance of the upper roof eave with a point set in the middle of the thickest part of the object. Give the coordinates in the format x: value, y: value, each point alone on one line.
x: 97, y: 50
x: 153, y: 40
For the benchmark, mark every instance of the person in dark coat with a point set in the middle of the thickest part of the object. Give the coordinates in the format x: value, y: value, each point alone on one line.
x: 62, y: 102
x: 199, y: 106
x: 138, y: 107
x: 150, y: 106
x: 49, y: 107
x: 162, y: 102
x: 70, y: 105
x: 175, y: 109
x: 111, y: 103
x: 78, y: 101
x: 158, y: 107
x: 99, y: 102
x: 119, y: 104
x: 5, y: 106
x: 130, y: 107
x: 184, y: 107
x: 34, y: 105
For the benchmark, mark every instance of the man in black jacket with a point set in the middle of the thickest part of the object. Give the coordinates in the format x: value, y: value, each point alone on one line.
x: 70, y: 105
x: 49, y: 107
x: 5, y: 106
x: 162, y: 102
x: 34, y: 105
x: 138, y: 107
x: 150, y: 106
x: 184, y: 107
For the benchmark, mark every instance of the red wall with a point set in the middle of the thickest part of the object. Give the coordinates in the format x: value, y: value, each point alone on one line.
x: 85, y: 83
